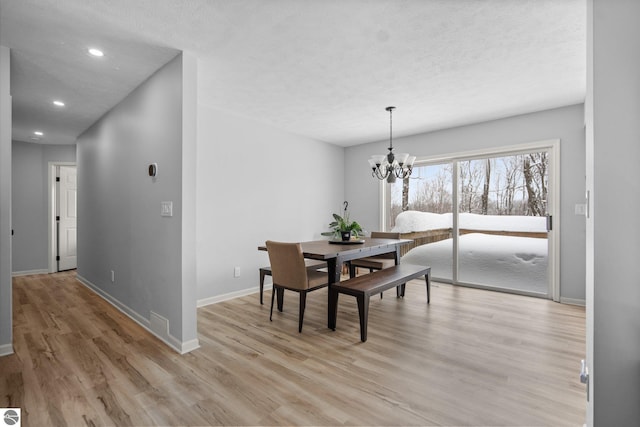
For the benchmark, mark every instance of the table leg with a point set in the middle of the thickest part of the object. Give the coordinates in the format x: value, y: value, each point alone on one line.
x: 332, y: 305
x: 399, y: 289
x: 427, y: 278
x: 397, y: 254
x: 333, y: 308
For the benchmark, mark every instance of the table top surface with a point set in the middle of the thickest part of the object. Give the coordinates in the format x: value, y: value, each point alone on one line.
x: 325, y: 250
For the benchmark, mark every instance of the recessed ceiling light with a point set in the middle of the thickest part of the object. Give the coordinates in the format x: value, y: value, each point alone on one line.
x: 58, y: 103
x: 39, y: 133
x: 96, y: 52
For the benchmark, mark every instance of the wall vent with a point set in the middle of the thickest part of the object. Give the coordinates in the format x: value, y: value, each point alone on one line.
x: 158, y: 324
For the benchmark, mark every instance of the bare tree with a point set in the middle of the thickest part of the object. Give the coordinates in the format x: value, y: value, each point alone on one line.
x: 405, y: 194
x: 485, y: 189
x: 534, y: 169
x: 511, y: 185
x: 512, y: 166
x: 470, y: 177
x: 443, y: 190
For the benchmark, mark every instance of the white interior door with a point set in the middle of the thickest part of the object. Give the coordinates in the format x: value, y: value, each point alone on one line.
x: 67, y: 218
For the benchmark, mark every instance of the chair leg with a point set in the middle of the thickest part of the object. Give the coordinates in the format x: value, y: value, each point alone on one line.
x: 303, y: 303
x: 262, y: 274
x: 273, y: 294
x: 352, y: 270
x: 280, y: 295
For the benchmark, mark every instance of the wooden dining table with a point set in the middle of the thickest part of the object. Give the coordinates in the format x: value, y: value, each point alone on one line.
x: 337, y: 253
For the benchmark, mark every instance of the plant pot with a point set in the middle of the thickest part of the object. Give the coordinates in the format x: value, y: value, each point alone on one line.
x: 346, y: 235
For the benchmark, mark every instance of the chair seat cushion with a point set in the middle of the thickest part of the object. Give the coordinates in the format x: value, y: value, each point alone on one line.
x: 373, y: 262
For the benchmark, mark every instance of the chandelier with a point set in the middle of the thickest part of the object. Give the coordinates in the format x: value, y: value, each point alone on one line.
x: 391, y: 166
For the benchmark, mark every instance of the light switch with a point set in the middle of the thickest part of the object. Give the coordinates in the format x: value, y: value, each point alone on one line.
x: 166, y: 208
x: 580, y: 209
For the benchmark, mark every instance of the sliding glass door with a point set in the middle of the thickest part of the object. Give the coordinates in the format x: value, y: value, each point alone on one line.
x: 502, y: 222
x: 421, y: 209
x: 498, y: 237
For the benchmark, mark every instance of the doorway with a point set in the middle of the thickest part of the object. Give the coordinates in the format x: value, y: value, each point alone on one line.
x: 62, y: 216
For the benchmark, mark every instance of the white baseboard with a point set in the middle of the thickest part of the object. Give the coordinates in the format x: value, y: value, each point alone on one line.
x: 167, y: 338
x: 29, y: 272
x: 573, y: 301
x: 231, y: 295
x: 189, y: 346
x: 6, y: 349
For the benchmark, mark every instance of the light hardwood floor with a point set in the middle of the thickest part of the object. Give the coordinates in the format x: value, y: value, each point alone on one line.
x: 471, y: 357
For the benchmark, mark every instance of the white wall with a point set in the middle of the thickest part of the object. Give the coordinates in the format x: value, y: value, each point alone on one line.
x: 614, y: 229
x: 6, y: 314
x: 119, y: 223
x: 256, y: 183
x: 189, y: 163
x: 567, y: 124
x: 30, y: 163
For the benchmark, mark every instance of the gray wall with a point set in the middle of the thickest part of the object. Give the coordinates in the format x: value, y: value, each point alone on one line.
x: 119, y: 223
x: 30, y: 163
x: 6, y: 314
x: 613, y: 113
x: 567, y: 124
x: 256, y: 183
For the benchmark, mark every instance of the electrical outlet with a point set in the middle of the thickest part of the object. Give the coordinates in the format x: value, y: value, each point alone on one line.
x: 113, y: 276
x: 236, y: 272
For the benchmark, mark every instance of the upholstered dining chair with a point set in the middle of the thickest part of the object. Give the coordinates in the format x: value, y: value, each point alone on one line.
x: 377, y: 262
x: 289, y: 271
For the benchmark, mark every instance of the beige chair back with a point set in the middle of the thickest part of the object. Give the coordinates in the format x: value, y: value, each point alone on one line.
x: 287, y: 265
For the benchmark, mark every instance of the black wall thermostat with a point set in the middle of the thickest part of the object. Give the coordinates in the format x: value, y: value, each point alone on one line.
x: 153, y: 169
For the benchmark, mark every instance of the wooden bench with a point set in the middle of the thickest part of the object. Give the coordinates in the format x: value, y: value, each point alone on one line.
x: 266, y: 271
x: 362, y: 287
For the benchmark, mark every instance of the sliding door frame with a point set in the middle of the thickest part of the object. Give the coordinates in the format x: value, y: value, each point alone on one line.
x: 553, y: 204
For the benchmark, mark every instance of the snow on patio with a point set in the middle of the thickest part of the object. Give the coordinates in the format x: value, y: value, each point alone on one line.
x: 499, y: 261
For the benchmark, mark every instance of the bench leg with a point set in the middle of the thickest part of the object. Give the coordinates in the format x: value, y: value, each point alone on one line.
x: 363, y: 311
x: 333, y: 308
x: 262, y: 274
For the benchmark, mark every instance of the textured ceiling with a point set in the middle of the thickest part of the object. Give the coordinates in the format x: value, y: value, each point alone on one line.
x: 325, y: 69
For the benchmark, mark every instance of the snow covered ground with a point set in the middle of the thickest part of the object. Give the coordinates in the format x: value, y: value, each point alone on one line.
x: 411, y: 221
x: 499, y: 261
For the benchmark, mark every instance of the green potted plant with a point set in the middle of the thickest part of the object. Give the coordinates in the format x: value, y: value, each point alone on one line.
x: 343, y: 228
